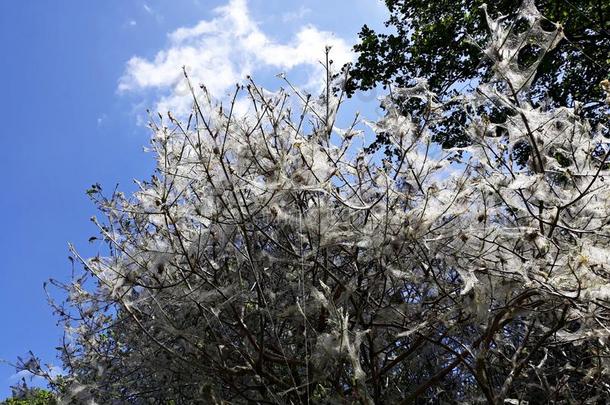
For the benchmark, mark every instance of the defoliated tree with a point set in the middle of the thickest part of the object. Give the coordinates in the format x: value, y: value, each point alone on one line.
x: 271, y: 259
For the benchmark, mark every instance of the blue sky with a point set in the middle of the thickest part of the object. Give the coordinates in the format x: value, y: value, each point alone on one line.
x: 76, y: 78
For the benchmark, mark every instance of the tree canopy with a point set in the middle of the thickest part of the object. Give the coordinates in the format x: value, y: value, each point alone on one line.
x: 442, y: 41
x: 31, y: 396
x: 272, y: 258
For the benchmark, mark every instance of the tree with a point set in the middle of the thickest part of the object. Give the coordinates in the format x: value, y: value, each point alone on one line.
x: 442, y: 42
x: 271, y: 259
x: 30, y: 396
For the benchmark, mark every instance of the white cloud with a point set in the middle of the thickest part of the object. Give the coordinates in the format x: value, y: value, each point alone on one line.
x: 54, y: 371
x: 224, y: 50
x: 152, y: 12
x: 20, y: 375
x: 296, y: 14
x: 101, y: 119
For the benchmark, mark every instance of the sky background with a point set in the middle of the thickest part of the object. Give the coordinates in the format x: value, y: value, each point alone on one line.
x: 76, y: 79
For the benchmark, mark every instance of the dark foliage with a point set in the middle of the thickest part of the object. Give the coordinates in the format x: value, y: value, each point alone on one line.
x: 440, y: 41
